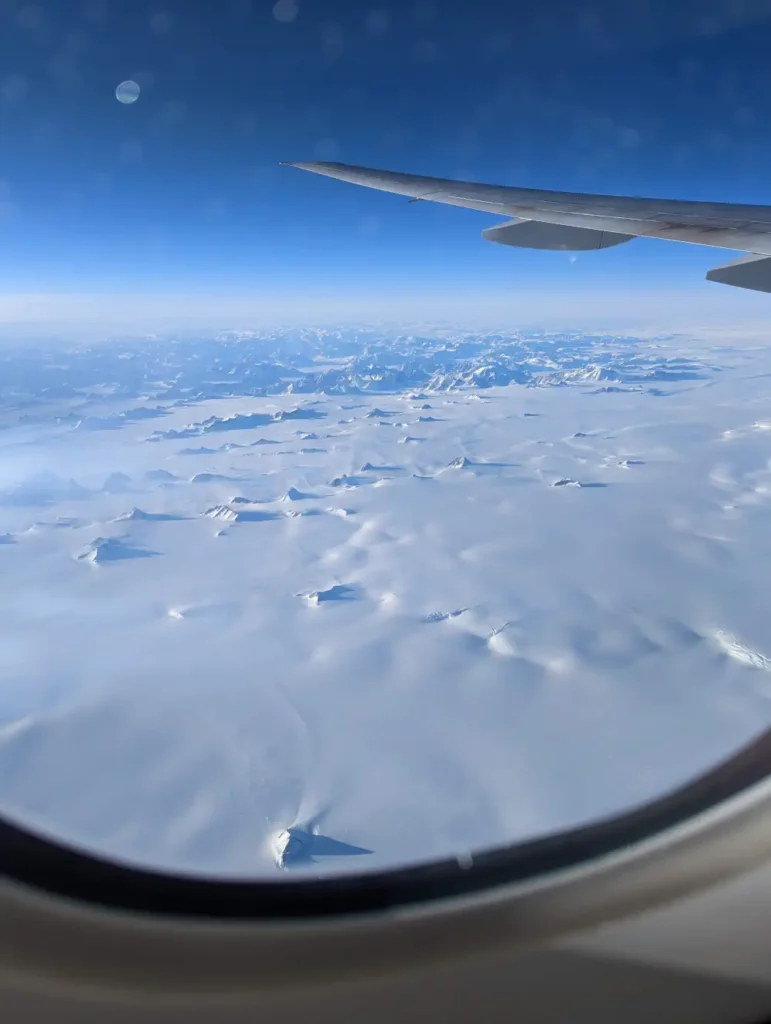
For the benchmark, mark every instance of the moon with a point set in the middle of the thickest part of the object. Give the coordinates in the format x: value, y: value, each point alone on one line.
x: 127, y: 92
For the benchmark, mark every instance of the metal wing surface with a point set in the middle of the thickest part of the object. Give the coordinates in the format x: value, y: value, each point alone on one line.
x: 579, y: 221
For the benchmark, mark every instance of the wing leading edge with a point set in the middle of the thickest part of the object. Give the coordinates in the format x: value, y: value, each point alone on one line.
x: 578, y: 221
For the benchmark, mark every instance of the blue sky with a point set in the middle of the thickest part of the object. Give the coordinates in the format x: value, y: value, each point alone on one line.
x: 181, y: 192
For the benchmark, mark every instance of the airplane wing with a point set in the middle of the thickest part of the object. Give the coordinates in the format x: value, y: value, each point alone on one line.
x: 577, y: 221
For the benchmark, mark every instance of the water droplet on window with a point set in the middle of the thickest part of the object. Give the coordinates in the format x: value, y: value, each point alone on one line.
x: 127, y: 92
x: 285, y: 11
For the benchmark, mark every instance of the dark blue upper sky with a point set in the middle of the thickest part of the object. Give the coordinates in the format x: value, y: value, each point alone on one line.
x: 182, y: 191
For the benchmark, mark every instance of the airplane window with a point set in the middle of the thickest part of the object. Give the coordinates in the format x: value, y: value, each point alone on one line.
x: 334, y: 538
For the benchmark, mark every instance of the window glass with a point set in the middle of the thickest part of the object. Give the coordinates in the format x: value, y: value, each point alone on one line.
x: 333, y: 537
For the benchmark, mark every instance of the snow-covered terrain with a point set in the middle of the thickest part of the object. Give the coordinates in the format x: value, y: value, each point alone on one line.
x: 338, y: 599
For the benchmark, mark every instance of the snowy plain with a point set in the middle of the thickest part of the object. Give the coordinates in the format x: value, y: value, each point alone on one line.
x: 336, y: 600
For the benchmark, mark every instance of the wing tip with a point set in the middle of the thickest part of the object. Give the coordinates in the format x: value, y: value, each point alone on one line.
x: 310, y: 165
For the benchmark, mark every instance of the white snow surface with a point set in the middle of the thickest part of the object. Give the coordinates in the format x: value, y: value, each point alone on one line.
x: 255, y: 658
